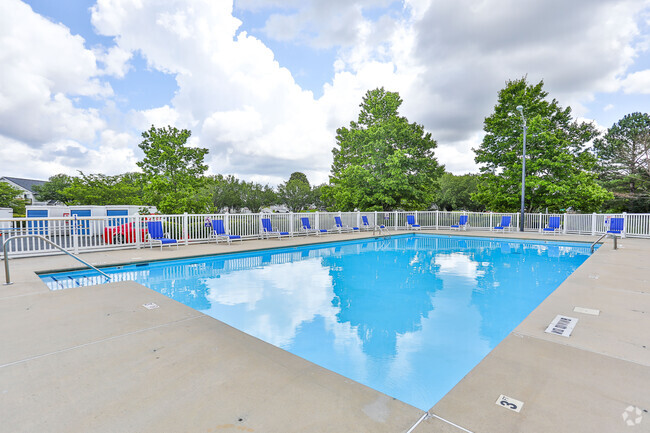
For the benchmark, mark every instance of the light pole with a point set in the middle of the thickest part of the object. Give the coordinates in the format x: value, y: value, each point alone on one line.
x: 523, y: 173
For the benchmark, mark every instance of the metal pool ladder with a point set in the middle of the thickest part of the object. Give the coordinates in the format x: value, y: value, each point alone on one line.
x: 6, y: 257
x: 613, y: 237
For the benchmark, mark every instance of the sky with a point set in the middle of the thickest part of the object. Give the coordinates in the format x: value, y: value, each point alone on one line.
x: 264, y: 84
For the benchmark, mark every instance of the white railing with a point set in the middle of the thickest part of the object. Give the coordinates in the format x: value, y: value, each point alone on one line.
x: 83, y: 234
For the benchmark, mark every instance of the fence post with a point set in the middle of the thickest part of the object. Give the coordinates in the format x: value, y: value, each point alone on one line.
x: 540, y: 223
x: 358, y: 224
x: 375, y: 223
x: 226, y: 221
x: 566, y: 218
x: 437, y: 212
x: 593, y: 224
x: 491, y: 225
x: 395, y: 220
x: 138, y: 232
x: 518, y: 220
x: 317, y: 221
x: 291, y: 223
x: 75, y: 234
x: 624, y: 225
x: 185, y: 228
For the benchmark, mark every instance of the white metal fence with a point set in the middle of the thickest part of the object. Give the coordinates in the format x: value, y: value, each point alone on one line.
x: 81, y: 234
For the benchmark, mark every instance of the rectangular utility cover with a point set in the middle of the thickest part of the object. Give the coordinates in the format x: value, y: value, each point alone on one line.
x: 562, y: 325
x: 587, y: 311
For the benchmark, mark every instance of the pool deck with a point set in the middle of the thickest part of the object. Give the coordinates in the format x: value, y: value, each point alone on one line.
x: 94, y: 359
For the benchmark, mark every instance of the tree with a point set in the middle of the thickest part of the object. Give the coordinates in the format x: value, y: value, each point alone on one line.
x: 455, y: 193
x: 317, y: 198
x: 256, y: 196
x: 560, y: 171
x: 173, y: 171
x: 296, y: 175
x: 624, y: 162
x: 10, y: 197
x: 52, y: 190
x: 100, y: 189
x: 382, y: 161
x: 225, y: 193
x: 295, y: 194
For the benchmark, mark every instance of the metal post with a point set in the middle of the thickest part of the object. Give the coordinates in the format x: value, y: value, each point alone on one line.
x: 6, y: 256
x: 523, y: 173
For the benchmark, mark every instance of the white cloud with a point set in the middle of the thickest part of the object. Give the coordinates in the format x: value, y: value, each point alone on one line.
x: 159, y: 117
x: 235, y: 97
x: 637, y: 82
x: 115, y: 59
x: 43, y: 68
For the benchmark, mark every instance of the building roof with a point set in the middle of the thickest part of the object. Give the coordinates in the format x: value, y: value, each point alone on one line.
x: 27, y: 184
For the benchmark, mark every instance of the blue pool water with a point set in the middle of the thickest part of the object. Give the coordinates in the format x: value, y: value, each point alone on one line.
x: 408, y: 316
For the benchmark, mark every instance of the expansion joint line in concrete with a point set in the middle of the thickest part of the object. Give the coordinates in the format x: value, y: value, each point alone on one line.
x: 577, y: 347
x: 115, y: 337
x: 428, y: 415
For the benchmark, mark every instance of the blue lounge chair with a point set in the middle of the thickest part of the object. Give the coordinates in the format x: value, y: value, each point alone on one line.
x: 306, y: 227
x: 219, y: 232
x: 267, y: 230
x: 156, y: 234
x: 462, y: 223
x: 505, y: 223
x: 410, y: 222
x: 338, y: 225
x: 616, y: 226
x: 365, y: 224
x: 553, y: 225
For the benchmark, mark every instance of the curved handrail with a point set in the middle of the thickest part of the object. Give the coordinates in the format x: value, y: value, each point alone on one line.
x: 606, y: 234
x: 6, y: 257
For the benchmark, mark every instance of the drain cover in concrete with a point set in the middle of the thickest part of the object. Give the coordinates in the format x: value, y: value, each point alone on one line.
x: 562, y: 325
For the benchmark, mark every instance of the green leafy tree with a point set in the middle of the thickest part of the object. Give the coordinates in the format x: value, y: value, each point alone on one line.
x: 456, y: 191
x: 10, y: 197
x: 560, y: 171
x: 100, y: 189
x: 382, y: 161
x: 256, y: 196
x: 295, y: 194
x: 52, y: 190
x: 225, y: 193
x: 317, y: 198
x: 172, y: 170
x: 297, y: 175
x: 624, y: 162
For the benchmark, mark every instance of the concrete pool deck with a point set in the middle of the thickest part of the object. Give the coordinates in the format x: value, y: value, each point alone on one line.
x: 94, y: 359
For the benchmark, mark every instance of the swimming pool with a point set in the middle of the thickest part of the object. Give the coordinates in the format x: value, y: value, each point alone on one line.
x: 408, y: 316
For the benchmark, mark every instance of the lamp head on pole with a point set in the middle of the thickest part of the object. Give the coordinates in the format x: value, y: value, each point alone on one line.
x: 520, y: 108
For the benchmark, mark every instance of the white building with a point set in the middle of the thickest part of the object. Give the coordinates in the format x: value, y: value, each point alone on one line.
x: 26, y: 187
